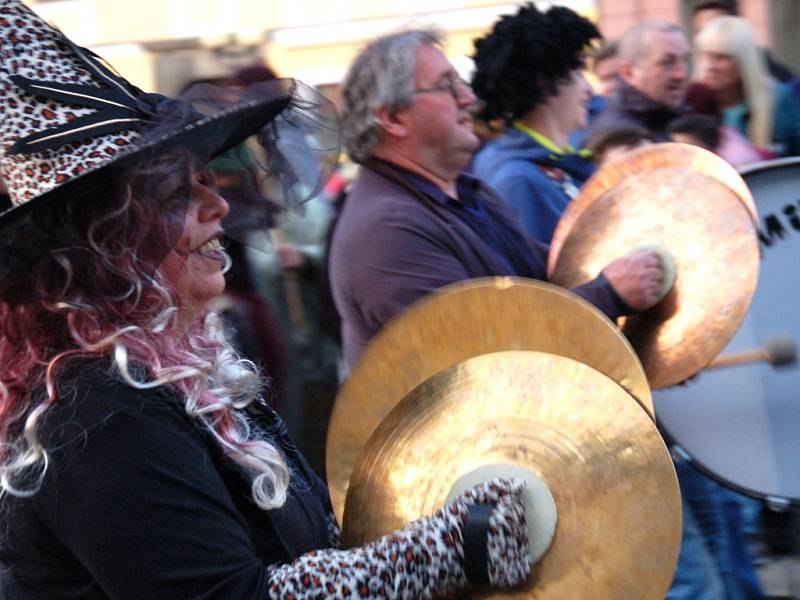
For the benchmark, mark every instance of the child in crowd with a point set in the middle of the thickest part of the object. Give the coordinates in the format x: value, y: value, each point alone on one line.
x: 613, y: 142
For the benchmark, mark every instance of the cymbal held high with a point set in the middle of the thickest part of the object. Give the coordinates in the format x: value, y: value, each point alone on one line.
x: 694, y: 205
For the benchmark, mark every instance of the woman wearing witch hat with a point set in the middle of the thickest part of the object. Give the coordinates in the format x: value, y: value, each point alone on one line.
x: 137, y: 459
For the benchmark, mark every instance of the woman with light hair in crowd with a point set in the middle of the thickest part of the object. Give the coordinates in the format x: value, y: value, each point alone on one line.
x: 730, y: 63
x: 138, y: 457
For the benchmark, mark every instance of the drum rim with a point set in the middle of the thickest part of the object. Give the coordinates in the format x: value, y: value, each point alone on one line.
x: 672, y: 442
x: 766, y: 165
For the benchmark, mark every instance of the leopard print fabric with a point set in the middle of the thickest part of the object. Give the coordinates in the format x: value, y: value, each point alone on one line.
x: 423, y: 560
x: 31, y: 48
x: 507, y: 544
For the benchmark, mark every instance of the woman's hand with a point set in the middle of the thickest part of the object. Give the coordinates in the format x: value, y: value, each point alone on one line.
x: 509, y: 561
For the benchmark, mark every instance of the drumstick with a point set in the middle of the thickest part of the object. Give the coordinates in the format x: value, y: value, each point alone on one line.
x: 778, y: 352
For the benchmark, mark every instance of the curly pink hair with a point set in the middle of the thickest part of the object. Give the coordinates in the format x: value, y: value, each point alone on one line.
x: 86, y: 283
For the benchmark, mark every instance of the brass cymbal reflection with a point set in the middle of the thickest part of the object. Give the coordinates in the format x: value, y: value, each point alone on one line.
x: 456, y: 323
x: 601, y: 456
x: 713, y: 239
x: 677, y: 159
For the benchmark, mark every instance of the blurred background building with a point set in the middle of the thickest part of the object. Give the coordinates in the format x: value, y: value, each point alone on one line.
x: 163, y: 44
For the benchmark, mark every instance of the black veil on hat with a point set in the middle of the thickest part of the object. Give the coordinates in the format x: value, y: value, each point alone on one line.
x: 68, y: 124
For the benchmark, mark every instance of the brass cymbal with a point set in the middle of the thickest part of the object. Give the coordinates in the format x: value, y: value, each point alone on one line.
x: 712, y: 237
x: 677, y: 159
x: 456, y: 323
x: 601, y: 456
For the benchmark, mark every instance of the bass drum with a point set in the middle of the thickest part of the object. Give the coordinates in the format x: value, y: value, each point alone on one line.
x: 741, y: 424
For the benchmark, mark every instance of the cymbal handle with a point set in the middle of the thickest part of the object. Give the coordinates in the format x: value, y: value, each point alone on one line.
x: 541, y: 514
x: 667, y: 262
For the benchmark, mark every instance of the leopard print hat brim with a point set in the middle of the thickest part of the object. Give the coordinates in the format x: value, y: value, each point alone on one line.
x: 206, y: 138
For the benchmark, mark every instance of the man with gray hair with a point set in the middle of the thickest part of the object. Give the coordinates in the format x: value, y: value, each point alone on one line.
x: 653, y: 63
x: 413, y: 222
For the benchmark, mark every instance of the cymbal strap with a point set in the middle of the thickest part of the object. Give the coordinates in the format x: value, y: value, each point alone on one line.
x: 476, y: 541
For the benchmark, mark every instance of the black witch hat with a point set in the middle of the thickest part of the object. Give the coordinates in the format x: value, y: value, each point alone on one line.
x: 65, y: 116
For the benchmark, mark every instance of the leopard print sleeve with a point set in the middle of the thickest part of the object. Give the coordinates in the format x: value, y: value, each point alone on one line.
x: 423, y: 560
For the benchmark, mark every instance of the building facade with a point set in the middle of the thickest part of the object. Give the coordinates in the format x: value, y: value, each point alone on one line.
x: 164, y: 44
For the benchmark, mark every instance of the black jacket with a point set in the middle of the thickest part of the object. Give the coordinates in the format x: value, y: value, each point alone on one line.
x: 629, y: 106
x: 125, y: 460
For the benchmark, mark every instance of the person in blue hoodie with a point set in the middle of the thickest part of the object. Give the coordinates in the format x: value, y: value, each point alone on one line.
x: 529, y: 73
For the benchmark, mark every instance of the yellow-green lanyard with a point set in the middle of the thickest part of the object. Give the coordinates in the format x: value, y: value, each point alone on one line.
x: 545, y: 141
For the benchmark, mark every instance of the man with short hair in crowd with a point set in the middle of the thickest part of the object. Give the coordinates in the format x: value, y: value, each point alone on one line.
x: 605, y: 67
x: 653, y: 78
x: 413, y: 221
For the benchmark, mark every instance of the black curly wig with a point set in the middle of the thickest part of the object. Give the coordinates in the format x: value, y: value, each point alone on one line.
x: 521, y: 63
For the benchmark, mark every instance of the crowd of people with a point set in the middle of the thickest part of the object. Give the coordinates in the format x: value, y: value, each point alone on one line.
x: 143, y: 365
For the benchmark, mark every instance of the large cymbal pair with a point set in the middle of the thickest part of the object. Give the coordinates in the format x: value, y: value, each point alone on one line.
x: 435, y: 397
x: 455, y: 324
